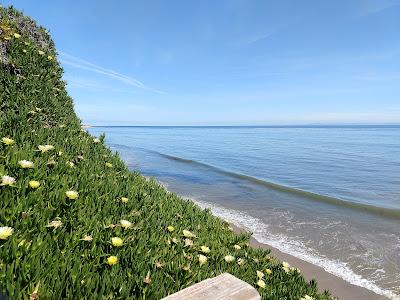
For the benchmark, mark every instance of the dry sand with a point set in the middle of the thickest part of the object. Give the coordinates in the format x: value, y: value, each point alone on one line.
x: 326, y: 281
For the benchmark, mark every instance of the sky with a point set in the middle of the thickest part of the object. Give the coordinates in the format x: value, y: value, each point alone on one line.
x: 236, y: 62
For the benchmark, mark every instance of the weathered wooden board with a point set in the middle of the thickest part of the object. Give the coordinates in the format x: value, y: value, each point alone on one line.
x: 222, y: 287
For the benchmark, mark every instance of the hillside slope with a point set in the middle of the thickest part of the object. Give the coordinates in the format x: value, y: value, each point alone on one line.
x: 76, y: 223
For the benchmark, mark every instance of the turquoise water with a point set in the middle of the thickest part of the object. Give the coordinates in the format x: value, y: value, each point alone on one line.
x: 329, y: 195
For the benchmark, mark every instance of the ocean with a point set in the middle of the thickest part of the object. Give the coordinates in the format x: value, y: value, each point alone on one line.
x: 329, y: 195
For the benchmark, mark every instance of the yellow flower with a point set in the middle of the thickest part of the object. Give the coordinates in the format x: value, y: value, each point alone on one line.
x: 260, y: 274
x: 7, y: 141
x: 261, y: 283
x: 117, y: 242
x: 202, y: 259
x: 109, y: 165
x: 26, y: 43
x: 188, y: 234
x: 125, y: 224
x: 17, y: 36
x: 229, y: 258
x: 41, y: 52
x: 124, y: 200
x: 7, y: 180
x: 45, y: 148
x: 26, y: 164
x: 50, y: 57
x: 268, y: 271
x: 112, y: 260
x: 170, y: 228
x: 72, y: 195
x: 237, y: 247
x: 205, y: 249
x: 5, y: 232
x: 34, y: 184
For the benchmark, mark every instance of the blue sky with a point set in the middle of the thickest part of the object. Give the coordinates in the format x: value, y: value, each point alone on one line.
x: 231, y: 62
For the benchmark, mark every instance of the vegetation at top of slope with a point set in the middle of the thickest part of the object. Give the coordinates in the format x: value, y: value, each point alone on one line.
x: 75, y: 223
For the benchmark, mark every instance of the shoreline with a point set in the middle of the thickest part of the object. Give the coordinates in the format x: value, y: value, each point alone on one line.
x: 338, y: 287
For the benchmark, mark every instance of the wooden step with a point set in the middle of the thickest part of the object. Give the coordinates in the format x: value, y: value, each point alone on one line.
x: 222, y: 287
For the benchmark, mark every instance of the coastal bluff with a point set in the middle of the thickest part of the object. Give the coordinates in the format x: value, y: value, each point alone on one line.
x: 76, y: 223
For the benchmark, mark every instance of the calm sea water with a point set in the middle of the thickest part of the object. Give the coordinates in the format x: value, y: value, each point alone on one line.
x: 328, y: 195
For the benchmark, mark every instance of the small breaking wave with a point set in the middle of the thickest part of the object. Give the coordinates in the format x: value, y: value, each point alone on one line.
x: 381, y: 211
x: 294, y: 248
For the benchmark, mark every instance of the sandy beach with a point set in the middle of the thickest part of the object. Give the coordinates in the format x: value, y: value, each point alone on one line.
x: 338, y: 287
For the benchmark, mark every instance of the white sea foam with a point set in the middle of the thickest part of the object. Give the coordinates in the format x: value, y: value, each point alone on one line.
x: 295, y: 248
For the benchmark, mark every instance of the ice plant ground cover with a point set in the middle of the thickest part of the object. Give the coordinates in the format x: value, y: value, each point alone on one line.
x: 124, y: 236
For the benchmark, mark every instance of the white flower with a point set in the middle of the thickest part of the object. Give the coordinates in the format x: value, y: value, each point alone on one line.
x: 261, y: 283
x: 241, y: 261
x: 188, y: 242
x: 237, y: 247
x: 45, y: 148
x: 306, y: 297
x: 285, y: 264
x: 55, y: 224
x: 125, y: 224
x: 7, y: 180
x: 260, y: 274
x: 5, y: 232
x: 26, y: 164
x: 229, y: 258
x: 87, y: 238
x: 96, y: 140
x: 202, y: 259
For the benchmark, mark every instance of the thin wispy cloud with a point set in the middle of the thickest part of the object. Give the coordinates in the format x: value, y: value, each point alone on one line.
x: 258, y: 38
x: 254, y: 38
x: 95, y: 85
x: 79, y: 63
x: 371, y: 7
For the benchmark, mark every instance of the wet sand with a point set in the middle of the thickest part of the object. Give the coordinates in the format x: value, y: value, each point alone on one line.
x: 338, y: 287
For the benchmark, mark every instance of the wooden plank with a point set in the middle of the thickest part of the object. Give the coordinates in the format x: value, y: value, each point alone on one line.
x: 222, y: 287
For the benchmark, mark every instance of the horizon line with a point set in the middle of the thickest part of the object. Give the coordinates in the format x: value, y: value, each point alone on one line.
x: 265, y: 125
